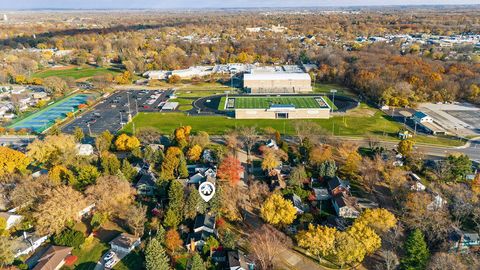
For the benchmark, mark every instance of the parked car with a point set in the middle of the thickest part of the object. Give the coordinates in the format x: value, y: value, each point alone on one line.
x: 110, y: 263
x: 109, y: 256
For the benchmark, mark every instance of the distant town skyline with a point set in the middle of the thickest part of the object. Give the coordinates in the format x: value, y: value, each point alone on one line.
x: 186, y: 4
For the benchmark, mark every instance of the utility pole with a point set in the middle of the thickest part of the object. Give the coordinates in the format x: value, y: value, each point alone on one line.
x: 133, y: 126
x: 333, y: 91
x: 415, y: 133
x: 89, y: 130
x: 136, y: 107
x: 129, y: 109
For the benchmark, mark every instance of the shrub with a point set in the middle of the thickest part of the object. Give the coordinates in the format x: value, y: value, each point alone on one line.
x: 70, y: 238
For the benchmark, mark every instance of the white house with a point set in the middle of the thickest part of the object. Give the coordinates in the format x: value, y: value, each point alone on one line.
x: 84, y: 149
x: 344, y: 207
x: 27, y: 243
x: 125, y: 243
x: 418, y: 186
x: 11, y: 219
x: 85, y: 211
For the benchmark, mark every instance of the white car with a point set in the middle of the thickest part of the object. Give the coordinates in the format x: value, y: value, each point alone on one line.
x: 110, y: 263
x: 109, y: 255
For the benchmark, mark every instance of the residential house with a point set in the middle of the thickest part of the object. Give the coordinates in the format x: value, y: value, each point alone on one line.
x: 272, y: 144
x: 203, y: 228
x: 87, y: 210
x: 437, y: 203
x: 147, y: 184
x: 84, y: 149
x: 297, y: 203
x: 321, y: 194
x: 345, y: 206
x: 53, y: 258
x: 208, y: 156
x: 237, y: 261
x: 11, y: 219
x: 27, y: 243
x: 418, y: 186
x: 125, y: 243
x: 202, y: 175
x: 338, y: 186
x: 463, y: 241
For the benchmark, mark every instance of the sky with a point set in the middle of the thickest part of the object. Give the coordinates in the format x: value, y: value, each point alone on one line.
x: 168, y: 4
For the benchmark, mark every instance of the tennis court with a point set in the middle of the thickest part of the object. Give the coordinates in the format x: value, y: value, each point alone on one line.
x: 43, y: 119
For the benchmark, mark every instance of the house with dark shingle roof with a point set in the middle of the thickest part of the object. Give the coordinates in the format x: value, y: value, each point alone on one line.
x: 53, y: 258
x: 203, y: 228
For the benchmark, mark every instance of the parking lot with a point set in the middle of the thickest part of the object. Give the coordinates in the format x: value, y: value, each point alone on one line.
x: 457, y: 118
x: 114, y: 111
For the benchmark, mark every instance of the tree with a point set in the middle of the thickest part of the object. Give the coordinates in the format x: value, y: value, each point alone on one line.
x: 69, y: 237
x: 265, y: 244
x: 175, y: 204
x: 171, y: 163
x: 318, y: 240
x: 327, y: 169
x: 181, y: 136
x: 196, y: 263
x: 128, y: 170
x: 379, y: 219
x: 172, y: 240
x: 194, y: 153
x: 6, y: 254
x: 460, y: 166
x: 12, y: 161
x: 366, y: 236
x: 173, y: 79
x: 61, y: 175
x: 111, y: 195
x: 201, y: 139
x: 182, y: 167
x: 347, y: 250
x: 55, y: 85
x: 78, y: 134
x: 194, y: 204
x: 53, y: 150
x: 109, y: 163
x: 210, y: 244
x: 405, y: 147
x: 126, y: 143
x: 443, y: 260
x: 390, y: 259
x: 278, y: 211
x: 104, y: 141
x: 297, y: 177
x: 320, y: 154
x: 229, y: 170
x: 270, y: 162
x: 248, y: 136
x: 135, y: 217
x: 61, y: 205
x: 416, y: 252
x: 155, y: 256
x: 87, y: 175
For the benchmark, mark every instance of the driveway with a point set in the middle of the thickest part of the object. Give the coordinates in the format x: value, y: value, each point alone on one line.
x: 118, y: 256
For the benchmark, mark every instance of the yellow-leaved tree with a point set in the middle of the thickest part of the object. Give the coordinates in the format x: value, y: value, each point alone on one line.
x: 12, y: 161
x: 194, y: 152
x: 318, y: 240
x: 278, y: 211
x: 270, y: 162
x: 126, y: 143
x: 380, y: 220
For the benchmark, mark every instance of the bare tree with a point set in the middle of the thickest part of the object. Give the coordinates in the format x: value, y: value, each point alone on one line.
x: 390, y: 260
x: 248, y: 137
x: 306, y: 129
x: 231, y: 141
x: 266, y: 243
x: 135, y: 217
x: 441, y: 261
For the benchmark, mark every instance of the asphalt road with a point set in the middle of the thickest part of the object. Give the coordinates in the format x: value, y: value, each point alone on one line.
x: 113, y: 112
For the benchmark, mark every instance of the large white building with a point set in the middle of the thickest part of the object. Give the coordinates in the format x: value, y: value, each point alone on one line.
x: 288, y: 79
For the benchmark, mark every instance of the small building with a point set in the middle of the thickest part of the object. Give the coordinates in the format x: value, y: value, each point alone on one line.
x: 170, y: 106
x: 421, y: 117
x: 463, y: 241
x: 11, y: 219
x: 418, y: 186
x: 87, y: 210
x: 27, y: 243
x: 437, y: 203
x: 84, y: 149
x: 147, y: 184
x: 125, y: 243
x: 53, y: 258
x: 321, y: 194
x: 237, y: 261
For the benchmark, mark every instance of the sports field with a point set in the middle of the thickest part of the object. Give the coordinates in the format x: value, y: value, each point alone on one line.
x: 45, y: 118
x: 264, y: 102
x: 76, y: 72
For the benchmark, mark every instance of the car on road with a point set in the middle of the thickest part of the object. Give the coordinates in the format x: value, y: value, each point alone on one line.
x: 109, y: 255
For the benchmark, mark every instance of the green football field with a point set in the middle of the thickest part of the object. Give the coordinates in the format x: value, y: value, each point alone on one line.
x: 262, y: 102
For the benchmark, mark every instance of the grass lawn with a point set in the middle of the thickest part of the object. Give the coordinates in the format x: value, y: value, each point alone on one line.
x: 89, y: 254
x: 357, y: 123
x: 76, y: 72
x: 325, y: 88
x: 206, y: 86
x: 132, y: 261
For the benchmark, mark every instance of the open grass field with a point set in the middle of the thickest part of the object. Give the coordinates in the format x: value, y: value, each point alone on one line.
x: 356, y: 124
x: 325, y: 88
x: 76, y: 72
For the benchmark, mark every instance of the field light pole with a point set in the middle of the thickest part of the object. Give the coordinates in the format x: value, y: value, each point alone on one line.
x: 333, y: 91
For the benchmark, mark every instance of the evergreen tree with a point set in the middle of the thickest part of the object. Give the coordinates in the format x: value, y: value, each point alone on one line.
x: 327, y: 169
x: 155, y: 256
x: 416, y: 252
x: 182, y: 167
x: 197, y: 263
x: 160, y: 236
x: 175, y: 196
x: 194, y: 204
x: 128, y: 171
